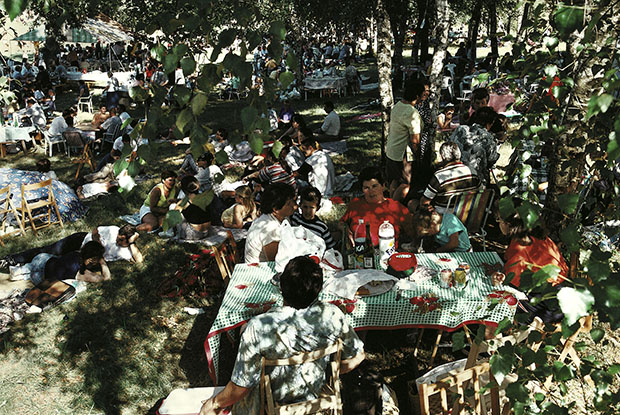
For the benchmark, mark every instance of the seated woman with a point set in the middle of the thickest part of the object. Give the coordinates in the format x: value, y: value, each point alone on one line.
x: 297, y: 124
x: 196, y: 221
x: 157, y: 202
x: 531, y: 250
x: 449, y: 232
x: 277, y: 203
x: 374, y: 208
x: 243, y: 212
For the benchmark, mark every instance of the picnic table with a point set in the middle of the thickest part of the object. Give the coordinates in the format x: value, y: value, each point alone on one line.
x: 338, y: 83
x: 250, y: 292
x: 11, y: 135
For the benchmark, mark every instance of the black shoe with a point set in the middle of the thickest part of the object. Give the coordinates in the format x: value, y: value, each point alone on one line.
x: 6, y: 262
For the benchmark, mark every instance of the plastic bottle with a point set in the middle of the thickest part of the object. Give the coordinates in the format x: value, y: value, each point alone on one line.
x: 386, y: 243
x: 369, y: 250
x: 360, y: 241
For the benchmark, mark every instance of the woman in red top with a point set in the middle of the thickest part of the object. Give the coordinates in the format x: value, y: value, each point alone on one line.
x: 374, y: 207
x: 532, y: 249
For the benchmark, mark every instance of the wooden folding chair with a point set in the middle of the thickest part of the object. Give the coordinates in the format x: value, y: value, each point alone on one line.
x: 226, y: 256
x: 447, y: 394
x: 473, y: 208
x: 74, y: 141
x: 329, y: 401
x: 39, y: 202
x: 7, y: 207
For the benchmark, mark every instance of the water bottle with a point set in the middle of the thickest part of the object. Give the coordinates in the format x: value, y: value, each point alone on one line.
x: 359, y: 238
x: 386, y: 243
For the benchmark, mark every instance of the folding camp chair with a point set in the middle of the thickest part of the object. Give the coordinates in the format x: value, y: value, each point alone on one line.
x: 34, y: 208
x: 473, y: 208
x: 226, y: 256
x: 328, y: 402
x: 450, y: 392
x: 6, y: 208
x: 75, y: 142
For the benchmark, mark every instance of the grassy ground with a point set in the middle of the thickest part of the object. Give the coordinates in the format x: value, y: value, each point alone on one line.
x: 118, y: 347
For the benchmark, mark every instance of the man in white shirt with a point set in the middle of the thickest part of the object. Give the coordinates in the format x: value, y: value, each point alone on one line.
x: 36, y: 114
x: 319, y: 168
x: 59, y: 124
x: 330, y: 130
x: 119, y: 243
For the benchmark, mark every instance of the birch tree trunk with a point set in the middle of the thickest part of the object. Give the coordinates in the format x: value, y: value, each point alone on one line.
x: 384, y: 63
x: 492, y: 7
x: 473, y: 32
x: 439, y: 53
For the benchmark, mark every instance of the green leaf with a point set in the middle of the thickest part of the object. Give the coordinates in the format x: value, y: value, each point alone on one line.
x: 14, y: 7
x: 517, y: 392
x: 550, y: 42
x: 292, y: 61
x: 593, y: 107
x: 575, y: 303
x: 256, y: 144
x: 570, y: 236
x: 613, y: 150
x: 199, y: 102
x: 158, y: 52
x: 547, y: 272
x: 506, y: 207
x: 221, y: 157
x: 528, y: 214
x: 181, y: 95
x: 501, y: 363
x: 170, y: 63
x: 562, y: 372
x: 276, y: 148
x: 203, y: 199
x: 568, y: 19
x: 604, y: 102
x: 188, y: 65
x: 278, y: 29
x: 133, y: 169
x: 613, y: 369
x: 180, y: 50
x: 568, y: 202
x: 551, y: 71
x: 173, y: 218
x: 286, y: 78
x: 147, y: 152
x: 458, y: 340
x: 227, y: 37
x: 503, y: 325
x: 120, y: 165
x: 183, y: 119
x: 248, y: 116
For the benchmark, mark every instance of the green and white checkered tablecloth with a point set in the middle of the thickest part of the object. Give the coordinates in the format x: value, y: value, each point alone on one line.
x: 250, y: 292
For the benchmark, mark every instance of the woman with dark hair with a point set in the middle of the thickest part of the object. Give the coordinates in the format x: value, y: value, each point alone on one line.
x: 157, y: 202
x: 374, y: 208
x: 277, y: 204
x: 87, y: 264
x: 531, y: 249
x: 297, y: 124
x: 196, y: 221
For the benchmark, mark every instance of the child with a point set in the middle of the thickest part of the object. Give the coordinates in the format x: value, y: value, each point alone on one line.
x: 310, y: 202
x: 444, y: 120
x: 243, y: 211
x: 44, y: 166
x: 449, y: 231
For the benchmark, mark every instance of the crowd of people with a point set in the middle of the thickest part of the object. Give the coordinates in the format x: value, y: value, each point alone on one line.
x: 292, y: 180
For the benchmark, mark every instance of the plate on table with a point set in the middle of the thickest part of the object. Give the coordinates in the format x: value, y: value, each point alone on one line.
x: 375, y: 288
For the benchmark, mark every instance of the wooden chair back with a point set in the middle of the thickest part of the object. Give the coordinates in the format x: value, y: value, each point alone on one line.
x: 226, y: 256
x: 7, y: 208
x: 74, y: 140
x: 35, y: 210
x: 447, y: 395
x: 329, y: 402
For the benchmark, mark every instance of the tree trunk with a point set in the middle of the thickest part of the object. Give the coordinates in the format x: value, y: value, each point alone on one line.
x: 439, y: 53
x: 398, y: 11
x: 474, y: 28
x: 384, y: 63
x: 521, y: 32
x: 419, y: 32
x: 493, y: 30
